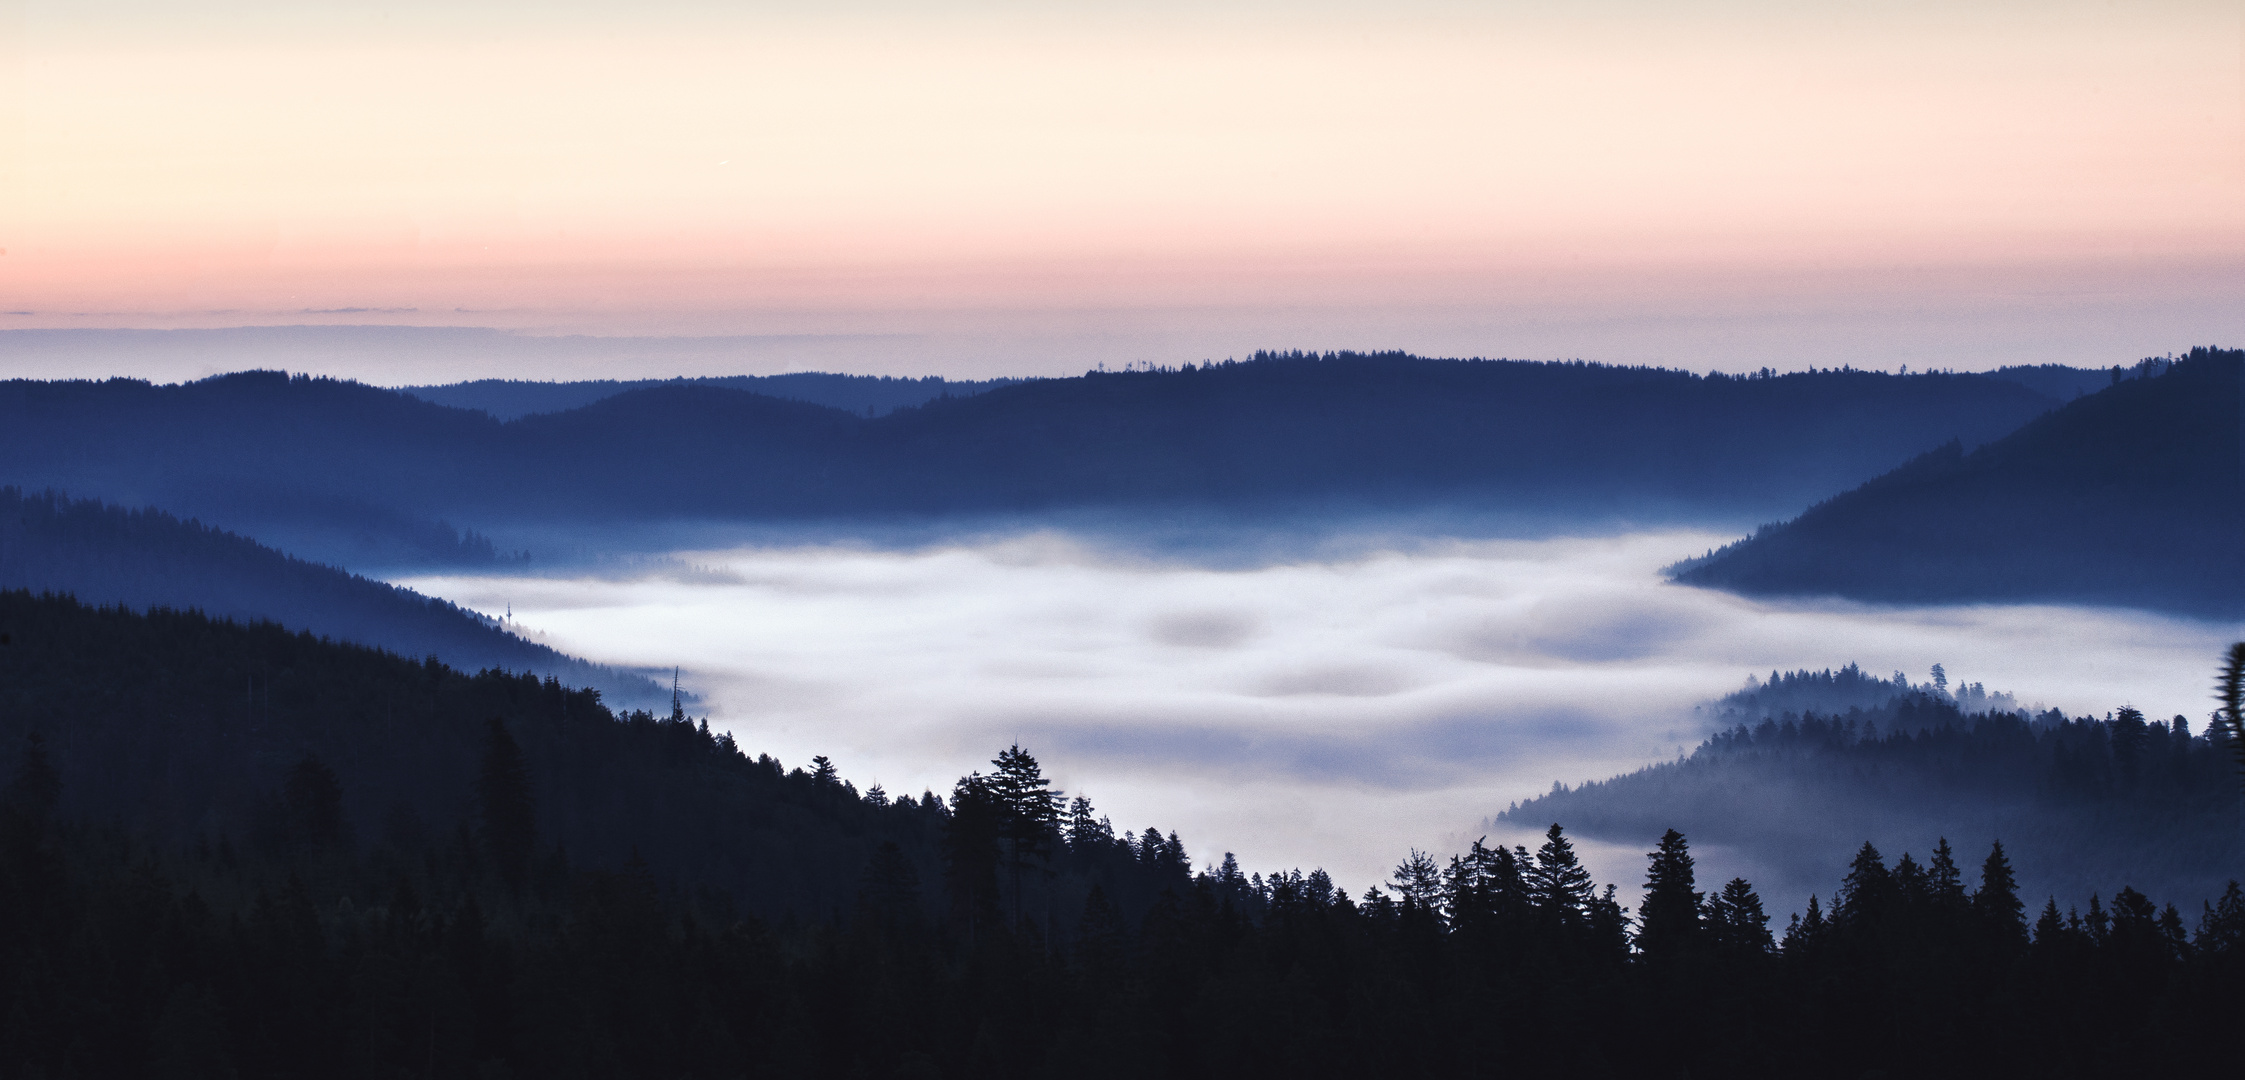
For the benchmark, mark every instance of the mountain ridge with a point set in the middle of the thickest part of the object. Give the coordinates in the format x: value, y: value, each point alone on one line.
x: 148, y: 559
x: 2129, y: 496
x: 262, y: 452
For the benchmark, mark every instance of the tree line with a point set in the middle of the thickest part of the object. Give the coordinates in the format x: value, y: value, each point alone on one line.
x: 311, y: 954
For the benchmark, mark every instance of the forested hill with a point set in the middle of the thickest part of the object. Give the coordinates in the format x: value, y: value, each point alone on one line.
x: 2128, y: 496
x: 191, y: 733
x: 871, y: 395
x: 2076, y: 800
x: 147, y: 558
x: 1332, y: 432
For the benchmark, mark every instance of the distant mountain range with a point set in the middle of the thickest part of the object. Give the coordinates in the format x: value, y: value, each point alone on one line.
x: 2131, y: 496
x: 144, y: 559
x: 320, y: 465
x: 871, y: 395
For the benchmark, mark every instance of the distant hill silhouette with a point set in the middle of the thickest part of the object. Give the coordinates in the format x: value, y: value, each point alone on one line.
x: 267, y: 453
x: 2128, y: 496
x: 145, y: 559
x: 510, y: 399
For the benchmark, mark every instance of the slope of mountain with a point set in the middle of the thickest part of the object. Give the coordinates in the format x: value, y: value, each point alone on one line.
x: 186, y: 732
x: 1332, y: 432
x: 870, y: 395
x: 146, y: 558
x: 2128, y: 496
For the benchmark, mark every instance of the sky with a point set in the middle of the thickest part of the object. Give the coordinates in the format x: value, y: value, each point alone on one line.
x: 1015, y: 187
x: 1312, y: 708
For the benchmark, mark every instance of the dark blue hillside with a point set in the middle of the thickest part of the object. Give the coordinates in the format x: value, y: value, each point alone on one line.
x: 146, y: 559
x: 2128, y: 496
x: 1392, y: 428
x: 265, y: 452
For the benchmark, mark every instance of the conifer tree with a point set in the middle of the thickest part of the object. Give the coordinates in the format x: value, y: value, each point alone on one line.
x: 1737, y: 927
x: 2221, y: 929
x: 1808, y: 930
x: 1559, y: 886
x: 2229, y: 720
x: 1996, y: 903
x: 2050, y: 927
x: 1418, y: 882
x: 970, y: 850
x: 1943, y: 881
x: 1866, y: 894
x: 1027, y: 812
x: 1084, y: 830
x: 1668, y: 923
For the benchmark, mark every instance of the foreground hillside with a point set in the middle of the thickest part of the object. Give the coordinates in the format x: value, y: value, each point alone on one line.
x: 146, y: 558
x: 186, y: 730
x: 283, y: 457
x: 2128, y: 496
x: 376, y: 867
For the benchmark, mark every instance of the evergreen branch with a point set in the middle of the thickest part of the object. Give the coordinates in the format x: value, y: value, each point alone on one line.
x: 2231, y: 716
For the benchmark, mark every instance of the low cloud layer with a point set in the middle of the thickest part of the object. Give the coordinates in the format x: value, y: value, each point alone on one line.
x: 1329, y: 712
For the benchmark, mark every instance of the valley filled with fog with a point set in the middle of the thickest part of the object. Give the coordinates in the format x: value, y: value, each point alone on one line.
x: 1325, y: 705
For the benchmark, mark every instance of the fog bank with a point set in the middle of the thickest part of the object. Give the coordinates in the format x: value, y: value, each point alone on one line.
x: 1318, y: 711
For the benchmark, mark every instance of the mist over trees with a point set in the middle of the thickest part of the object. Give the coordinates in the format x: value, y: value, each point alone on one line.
x: 2078, y: 801
x: 1791, y: 694
x: 2131, y: 495
x: 142, y: 559
x: 316, y: 465
x: 555, y: 890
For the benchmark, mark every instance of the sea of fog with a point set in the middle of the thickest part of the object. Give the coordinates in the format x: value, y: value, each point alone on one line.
x: 1301, y: 710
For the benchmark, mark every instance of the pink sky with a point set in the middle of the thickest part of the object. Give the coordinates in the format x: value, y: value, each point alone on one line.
x: 1681, y: 183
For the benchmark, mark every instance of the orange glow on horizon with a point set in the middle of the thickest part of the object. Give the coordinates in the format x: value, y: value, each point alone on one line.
x: 653, y: 172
